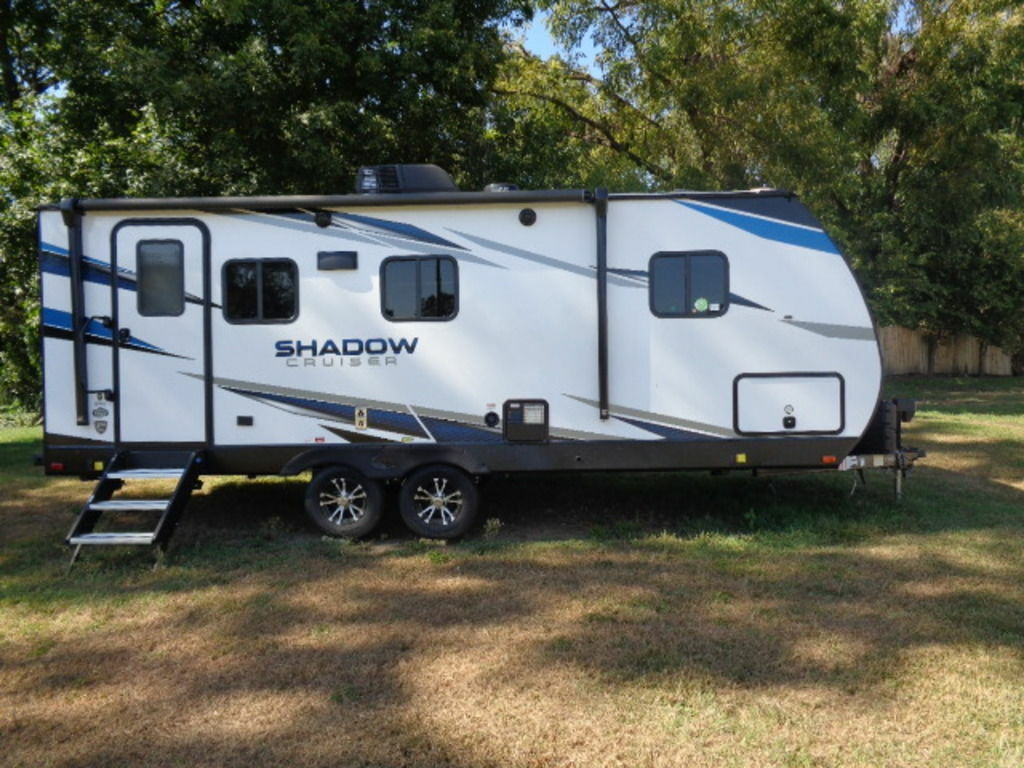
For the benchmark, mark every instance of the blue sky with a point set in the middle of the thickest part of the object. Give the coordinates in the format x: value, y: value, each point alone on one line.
x: 538, y: 40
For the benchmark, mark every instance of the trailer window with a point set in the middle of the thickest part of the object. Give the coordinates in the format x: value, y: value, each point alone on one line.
x: 160, y: 271
x: 261, y: 291
x: 689, y: 284
x: 419, y: 288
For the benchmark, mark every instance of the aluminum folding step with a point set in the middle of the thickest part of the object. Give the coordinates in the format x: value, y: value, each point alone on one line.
x: 130, y: 505
x: 167, y: 473
x: 126, y: 537
x: 137, y: 465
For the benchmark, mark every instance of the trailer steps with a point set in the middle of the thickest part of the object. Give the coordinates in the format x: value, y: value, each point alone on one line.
x: 183, y: 467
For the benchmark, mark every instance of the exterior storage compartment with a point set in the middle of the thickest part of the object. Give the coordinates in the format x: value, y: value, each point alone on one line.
x: 789, y: 403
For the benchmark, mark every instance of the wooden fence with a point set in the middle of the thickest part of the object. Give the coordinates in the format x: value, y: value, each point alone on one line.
x: 908, y: 351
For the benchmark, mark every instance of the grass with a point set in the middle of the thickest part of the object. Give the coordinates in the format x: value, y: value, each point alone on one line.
x: 636, y: 620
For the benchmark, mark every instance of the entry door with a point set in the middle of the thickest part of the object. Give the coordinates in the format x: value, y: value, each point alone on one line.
x: 159, y: 336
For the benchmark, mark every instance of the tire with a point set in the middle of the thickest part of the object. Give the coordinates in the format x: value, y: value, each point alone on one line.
x: 341, y: 502
x: 438, y: 502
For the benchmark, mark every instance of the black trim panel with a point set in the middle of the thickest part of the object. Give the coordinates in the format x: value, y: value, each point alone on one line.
x: 395, y: 460
x: 72, y: 217
x: 601, y: 209
x: 294, y: 202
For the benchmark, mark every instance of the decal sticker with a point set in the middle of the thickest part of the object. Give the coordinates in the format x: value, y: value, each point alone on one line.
x: 57, y: 325
x: 336, y: 353
x: 799, y: 235
x: 101, y: 426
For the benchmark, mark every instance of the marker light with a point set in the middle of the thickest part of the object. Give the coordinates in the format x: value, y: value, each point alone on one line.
x: 829, y: 460
x: 741, y: 458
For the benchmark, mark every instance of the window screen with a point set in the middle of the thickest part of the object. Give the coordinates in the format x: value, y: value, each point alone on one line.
x: 160, y: 270
x: 690, y: 284
x: 419, y: 288
x: 261, y: 291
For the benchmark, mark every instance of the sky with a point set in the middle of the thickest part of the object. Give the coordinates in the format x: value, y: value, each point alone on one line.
x: 538, y: 40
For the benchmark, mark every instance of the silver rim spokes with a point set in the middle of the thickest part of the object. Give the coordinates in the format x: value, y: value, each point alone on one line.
x: 438, y: 502
x: 343, y: 503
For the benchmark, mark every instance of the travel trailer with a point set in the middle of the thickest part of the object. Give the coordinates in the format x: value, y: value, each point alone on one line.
x: 415, y: 333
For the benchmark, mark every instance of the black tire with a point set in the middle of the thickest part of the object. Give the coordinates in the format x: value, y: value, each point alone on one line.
x: 341, y: 502
x: 438, y: 502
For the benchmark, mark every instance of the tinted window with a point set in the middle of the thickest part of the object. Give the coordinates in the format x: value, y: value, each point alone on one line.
x: 692, y: 284
x: 240, y: 291
x: 419, y: 288
x: 261, y: 291
x: 400, y: 289
x: 707, y: 283
x: 668, y: 285
x: 278, y: 290
x: 160, y: 269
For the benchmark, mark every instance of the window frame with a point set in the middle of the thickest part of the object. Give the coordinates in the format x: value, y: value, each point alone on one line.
x: 259, y: 319
x: 686, y: 255
x: 419, y: 286
x: 138, y: 276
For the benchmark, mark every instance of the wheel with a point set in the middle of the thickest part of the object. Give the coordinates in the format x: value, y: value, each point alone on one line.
x: 341, y: 502
x: 438, y: 502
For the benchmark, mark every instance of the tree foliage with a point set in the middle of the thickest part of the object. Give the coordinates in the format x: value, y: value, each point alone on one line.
x: 180, y: 97
x: 899, y: 122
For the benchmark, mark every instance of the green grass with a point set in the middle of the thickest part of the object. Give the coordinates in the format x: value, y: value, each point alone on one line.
x: 641, y: 619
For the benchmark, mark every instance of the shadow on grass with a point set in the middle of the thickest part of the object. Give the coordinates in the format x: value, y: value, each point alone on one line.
x: 667, y: 582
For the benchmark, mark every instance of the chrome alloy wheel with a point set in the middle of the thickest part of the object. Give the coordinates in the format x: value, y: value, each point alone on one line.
x: 438, y: 498
x: 438, y: 502
x: 339, y: 503
x: 342, y: 502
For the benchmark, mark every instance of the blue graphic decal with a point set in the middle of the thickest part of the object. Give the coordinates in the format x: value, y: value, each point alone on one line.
x: 396, y: 422
x: 735, y: 298
x: 669, y: 433
x: 55, y: 262
x: 454, y: 432
x: 58, y: 324
x: 405, y: 230
x: 769, y: 229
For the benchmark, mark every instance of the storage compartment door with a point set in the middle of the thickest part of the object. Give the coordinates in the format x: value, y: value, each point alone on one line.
x: 788, y: 404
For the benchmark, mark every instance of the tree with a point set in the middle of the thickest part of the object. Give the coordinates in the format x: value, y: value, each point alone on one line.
x: 898, y: 121
x: 180, y: 97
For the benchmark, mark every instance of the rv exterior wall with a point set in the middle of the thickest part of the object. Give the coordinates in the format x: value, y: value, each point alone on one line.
x: 273, y: 356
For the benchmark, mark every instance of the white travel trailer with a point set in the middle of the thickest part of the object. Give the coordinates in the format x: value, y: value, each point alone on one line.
x: 412, y: 332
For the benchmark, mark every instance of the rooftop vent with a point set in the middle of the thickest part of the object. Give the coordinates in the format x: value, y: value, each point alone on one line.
x: 398, y: 179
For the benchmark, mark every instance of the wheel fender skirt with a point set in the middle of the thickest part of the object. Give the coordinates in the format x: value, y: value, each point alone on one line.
x: 384, y: 462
